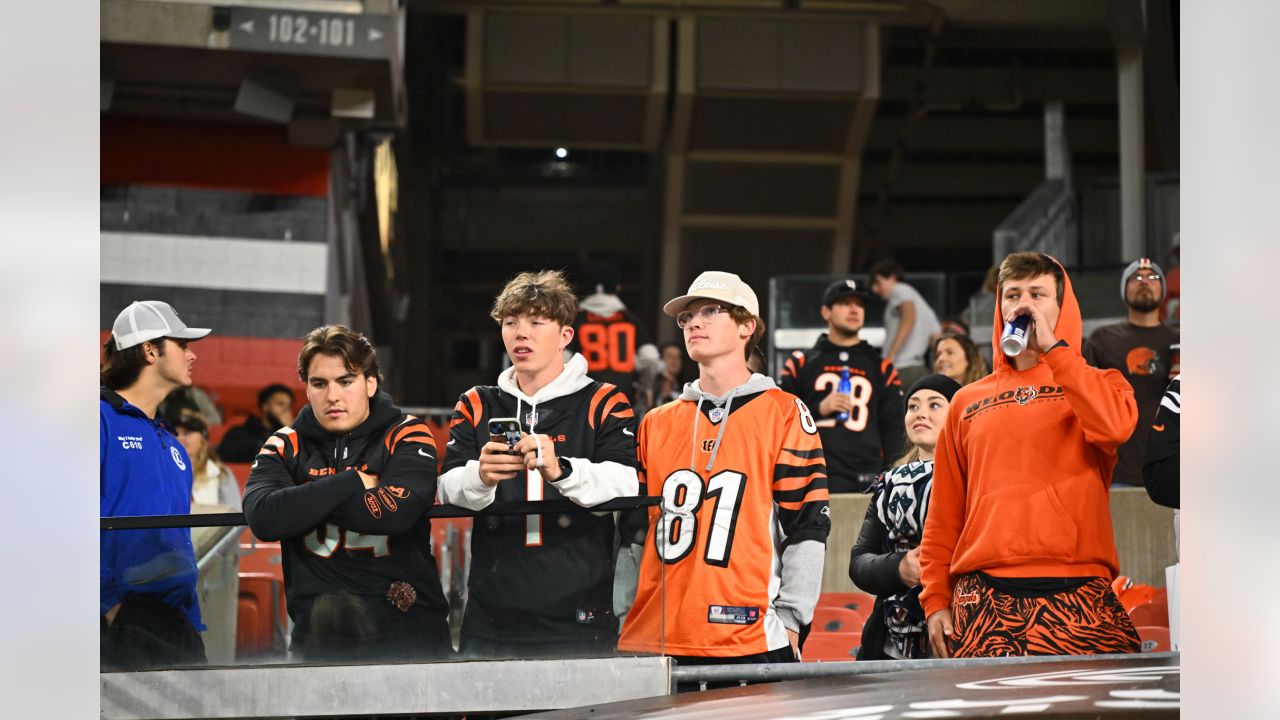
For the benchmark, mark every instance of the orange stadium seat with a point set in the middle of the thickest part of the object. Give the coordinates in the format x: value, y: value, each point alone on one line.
x: 1132, y: 596
x: 260, y: 619
x: 1150, y: 613
x: 828, y: 619
x: 1155, y: 638
x: 856, y: 601
x: 829, y: 647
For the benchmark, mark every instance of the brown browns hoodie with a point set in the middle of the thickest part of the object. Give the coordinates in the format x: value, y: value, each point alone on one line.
x: 1023, y: 468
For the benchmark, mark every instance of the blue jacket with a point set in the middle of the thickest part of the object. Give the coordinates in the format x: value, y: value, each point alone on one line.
x: 144, y: 470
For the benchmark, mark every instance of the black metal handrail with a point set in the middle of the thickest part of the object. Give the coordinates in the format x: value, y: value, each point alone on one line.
x: 142, y: 522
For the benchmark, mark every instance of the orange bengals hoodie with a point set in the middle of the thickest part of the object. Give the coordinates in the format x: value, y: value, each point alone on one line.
x: 1023, y: 468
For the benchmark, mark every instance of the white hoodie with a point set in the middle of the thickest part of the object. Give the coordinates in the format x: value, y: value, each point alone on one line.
x: 588, y: 484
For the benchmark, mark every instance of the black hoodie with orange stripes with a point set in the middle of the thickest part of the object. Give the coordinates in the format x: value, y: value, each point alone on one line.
x: 337, y: 537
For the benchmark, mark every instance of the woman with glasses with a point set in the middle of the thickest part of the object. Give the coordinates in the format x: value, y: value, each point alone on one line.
x: 886, y: 558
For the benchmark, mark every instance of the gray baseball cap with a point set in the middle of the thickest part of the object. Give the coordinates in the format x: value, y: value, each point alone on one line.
x: 150, y: 319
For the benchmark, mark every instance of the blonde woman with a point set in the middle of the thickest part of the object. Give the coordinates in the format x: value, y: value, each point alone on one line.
x: 212, y: 482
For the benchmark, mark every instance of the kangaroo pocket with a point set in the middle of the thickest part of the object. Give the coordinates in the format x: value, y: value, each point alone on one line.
x: 1023, y: 522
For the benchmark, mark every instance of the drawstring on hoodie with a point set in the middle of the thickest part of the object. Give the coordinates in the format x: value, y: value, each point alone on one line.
x: 533, y: 415
x: 715, y: 449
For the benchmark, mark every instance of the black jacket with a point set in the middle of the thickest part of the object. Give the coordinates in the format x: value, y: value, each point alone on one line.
x: 873, y: 436
x: 243, y: 441
x: 1160, y: 472
x: 335, y: 536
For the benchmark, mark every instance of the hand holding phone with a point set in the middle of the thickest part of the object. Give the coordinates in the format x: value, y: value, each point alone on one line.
x: 498, y: 458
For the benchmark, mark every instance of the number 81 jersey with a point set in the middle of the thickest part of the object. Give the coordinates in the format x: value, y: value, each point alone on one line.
x: 737, y: 489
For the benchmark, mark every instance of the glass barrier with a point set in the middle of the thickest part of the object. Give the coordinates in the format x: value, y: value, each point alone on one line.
x: 164, y: 577
x: 795, y: 310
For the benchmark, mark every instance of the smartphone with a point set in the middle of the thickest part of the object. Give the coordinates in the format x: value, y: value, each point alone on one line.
x: 505, y: 430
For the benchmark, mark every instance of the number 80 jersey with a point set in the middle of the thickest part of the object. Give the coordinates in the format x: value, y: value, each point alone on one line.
x: 720, y: 532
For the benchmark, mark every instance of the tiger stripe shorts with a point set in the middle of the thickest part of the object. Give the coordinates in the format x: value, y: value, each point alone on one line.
x: 1086, y: 621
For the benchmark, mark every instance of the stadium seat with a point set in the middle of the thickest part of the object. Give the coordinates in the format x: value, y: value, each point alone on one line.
x: 1155, y: 638
x: 856, y: 601
x: 1135, y: 595
x: 258, y: 629
x: 828, y: 619
x: 259, y: 558
x: 1150, y: 613
x: 829, y: 647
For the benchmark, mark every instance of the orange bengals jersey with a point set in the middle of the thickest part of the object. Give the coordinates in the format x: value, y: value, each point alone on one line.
x: 719, y: 533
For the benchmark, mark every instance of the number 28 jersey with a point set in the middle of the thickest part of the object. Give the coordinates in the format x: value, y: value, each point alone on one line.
x: 873, y: 435
x: 737, y: 489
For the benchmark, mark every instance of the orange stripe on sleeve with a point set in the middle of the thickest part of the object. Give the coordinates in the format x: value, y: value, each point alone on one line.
x: 471, y: 407
x: 797, y: 482
x: 793, y: 461
x: 595, y: 402
x: 293, y: 443
x: 815, y: 496
x: 612, y: 403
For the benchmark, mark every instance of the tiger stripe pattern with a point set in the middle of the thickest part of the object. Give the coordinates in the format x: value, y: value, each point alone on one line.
x: 1086, y: 621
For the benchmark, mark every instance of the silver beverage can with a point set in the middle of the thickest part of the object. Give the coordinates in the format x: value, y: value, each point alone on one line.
x: 1014, y: 338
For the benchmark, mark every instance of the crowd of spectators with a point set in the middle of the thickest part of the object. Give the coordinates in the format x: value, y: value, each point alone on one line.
x: 965, y: 516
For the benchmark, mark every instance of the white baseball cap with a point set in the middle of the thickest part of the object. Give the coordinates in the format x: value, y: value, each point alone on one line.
x: 150, y: 319
x: 716, y: 285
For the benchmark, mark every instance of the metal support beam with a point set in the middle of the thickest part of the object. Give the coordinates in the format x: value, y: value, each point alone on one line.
x: 1132, y: 156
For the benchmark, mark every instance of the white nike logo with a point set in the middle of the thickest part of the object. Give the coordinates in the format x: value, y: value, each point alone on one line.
x: 426, y: 454
x: 626, y: 431
x: 452, y: 441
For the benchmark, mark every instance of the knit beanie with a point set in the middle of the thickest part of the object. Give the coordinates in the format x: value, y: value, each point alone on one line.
x: 1135, y: 266
x: 941, y: 384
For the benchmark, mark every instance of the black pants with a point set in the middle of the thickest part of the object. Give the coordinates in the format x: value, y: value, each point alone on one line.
x: 146, y: 634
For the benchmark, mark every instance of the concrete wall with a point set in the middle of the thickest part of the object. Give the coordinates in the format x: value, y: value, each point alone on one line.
x: 1143, y: 530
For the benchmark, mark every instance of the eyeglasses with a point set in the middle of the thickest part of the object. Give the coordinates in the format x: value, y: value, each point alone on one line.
x: 1136, y: 277
x: 706, y: 314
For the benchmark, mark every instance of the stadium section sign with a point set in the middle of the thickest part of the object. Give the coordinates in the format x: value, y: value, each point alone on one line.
x: 310, y: 33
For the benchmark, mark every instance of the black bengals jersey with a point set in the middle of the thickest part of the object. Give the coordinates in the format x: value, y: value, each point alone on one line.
x: 546, y: 577
x: 339, y: 539
x: 609, y: 342
x: 873, y: 437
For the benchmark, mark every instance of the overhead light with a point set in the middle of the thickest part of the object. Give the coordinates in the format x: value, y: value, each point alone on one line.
x: 562, y: 153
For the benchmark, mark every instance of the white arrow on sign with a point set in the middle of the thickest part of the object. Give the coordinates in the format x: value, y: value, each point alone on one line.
x: 247, y: 27
x: 374, y: 34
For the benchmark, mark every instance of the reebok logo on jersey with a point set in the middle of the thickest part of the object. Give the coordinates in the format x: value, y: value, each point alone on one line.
x: 732, y: 614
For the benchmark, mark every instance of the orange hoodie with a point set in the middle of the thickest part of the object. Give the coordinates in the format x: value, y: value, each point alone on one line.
x: 1023, y: 468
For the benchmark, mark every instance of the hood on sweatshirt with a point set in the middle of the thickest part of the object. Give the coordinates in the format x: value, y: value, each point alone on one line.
x: 381, y: 411
x: 602, y: 304
x: 693, y: 393
x: 570, y: 380
x: 1070, y: 326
